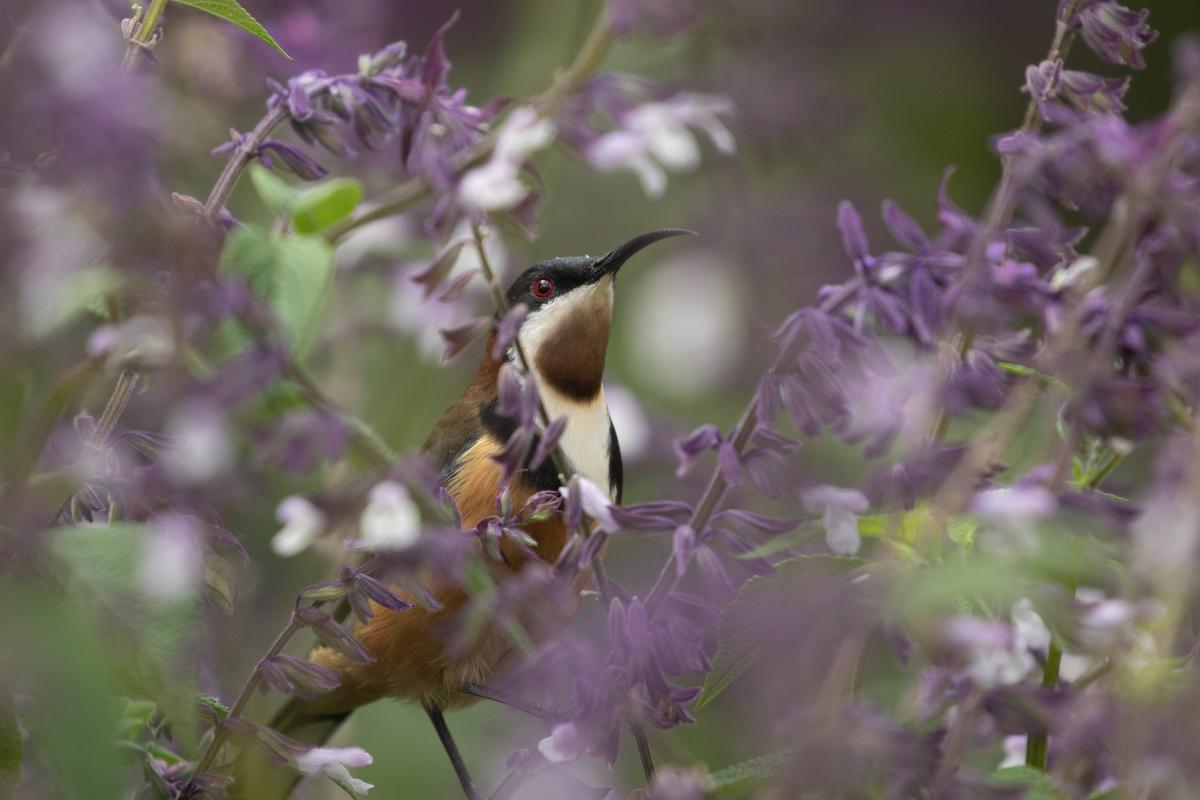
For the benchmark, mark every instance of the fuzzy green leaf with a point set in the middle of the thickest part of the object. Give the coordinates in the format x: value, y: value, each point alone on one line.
x: 303, y: 270
x: 737, y: 777
x: 329, y: 202
x: 105, y: 579
x: 232, y: 12
x: 1038, y: 785
x: 276, y: 193
x: 742, y: 636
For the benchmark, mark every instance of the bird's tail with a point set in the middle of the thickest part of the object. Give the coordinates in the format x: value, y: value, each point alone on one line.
x: 258, y: 776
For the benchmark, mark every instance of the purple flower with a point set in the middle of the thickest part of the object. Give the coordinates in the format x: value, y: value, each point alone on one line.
x: 1082, y: 92
x: 1115, y: 33
x: 664, y: 18
x: 288, y: 674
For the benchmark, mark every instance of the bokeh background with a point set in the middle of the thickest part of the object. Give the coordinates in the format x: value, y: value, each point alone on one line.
x: 864, y: 100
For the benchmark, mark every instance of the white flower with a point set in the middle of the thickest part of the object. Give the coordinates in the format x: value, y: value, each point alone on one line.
x: 995, y: 654
x: 172, y: 562
x: 201, y: 444
x: 332, y: 763
x: 595, y: 502
x: 391, y: 519
x: 1030, y: 629
x: 1073, y: 272
x: 1014, y: 751
x: 1014, y: 504
x: 496, y: 185
x: 838, y: 507
x: 565, y: 743
x: 144, y: 340
x: 658, y: 134
x: 523, y: 133
x: 302, y: 524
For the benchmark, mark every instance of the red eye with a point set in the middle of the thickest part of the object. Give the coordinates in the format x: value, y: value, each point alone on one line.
x: 543, y: 288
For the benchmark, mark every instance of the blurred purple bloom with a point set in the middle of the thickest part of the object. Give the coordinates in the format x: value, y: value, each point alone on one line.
x: 1115, y: 33
x: 661, y: 17
x: 288, y: 674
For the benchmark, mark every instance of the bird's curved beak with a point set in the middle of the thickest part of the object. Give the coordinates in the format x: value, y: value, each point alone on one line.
x: 612, y: 261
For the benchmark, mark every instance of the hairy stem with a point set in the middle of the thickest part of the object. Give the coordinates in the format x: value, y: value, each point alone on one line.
x: 144, y: 27
x: 242, y: 154
x: 239, y: 704
x: 714, y: 492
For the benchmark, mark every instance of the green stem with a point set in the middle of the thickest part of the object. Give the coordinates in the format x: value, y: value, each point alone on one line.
x: 239, y: 705
x: 1038, y: 744
x: 145, y: 25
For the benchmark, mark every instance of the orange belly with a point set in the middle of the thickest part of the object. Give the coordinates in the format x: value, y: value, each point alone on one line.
x: 414, y: 658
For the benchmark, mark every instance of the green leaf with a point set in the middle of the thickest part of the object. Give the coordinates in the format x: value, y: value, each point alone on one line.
x: 784, y: 541
x: 219, y: 709
x: 82, y: 290
x: 276, y: 193
x: 230, y: 11
x: 292, y: 274
x: 736, y: 776
x: 744, y: 629
x: 325, y: 204
x: 64, y: 659
x: 249, y: 253
x: 153, y: 634
x: 962, y: 530
x: 1038, y: 785
x: 303, y: 271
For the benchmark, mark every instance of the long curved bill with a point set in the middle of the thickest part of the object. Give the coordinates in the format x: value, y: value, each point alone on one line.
x: 612, y: 261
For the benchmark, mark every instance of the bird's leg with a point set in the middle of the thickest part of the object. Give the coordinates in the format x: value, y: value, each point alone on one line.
x: 460, y: 769
x: 505, y: 698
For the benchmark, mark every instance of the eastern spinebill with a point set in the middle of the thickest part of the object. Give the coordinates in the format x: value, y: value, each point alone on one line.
x: 564, y: 337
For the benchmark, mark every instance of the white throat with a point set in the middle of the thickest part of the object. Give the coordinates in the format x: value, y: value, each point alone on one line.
x: 586, y: 438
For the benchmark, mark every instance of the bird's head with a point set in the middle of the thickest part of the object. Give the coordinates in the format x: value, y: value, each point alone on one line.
x: 570, y: 302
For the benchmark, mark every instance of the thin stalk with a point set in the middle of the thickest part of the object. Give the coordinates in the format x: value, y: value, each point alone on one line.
x: 954, y: 745
x: 1003, y: 201
x: 143, y: 33
x: 668, y: 577
x: 1038, y: 744
x: 239, y: 704
x: 643, y: 748
x: 242, y: 154
x: 122, y: 393
x: 368, y: 443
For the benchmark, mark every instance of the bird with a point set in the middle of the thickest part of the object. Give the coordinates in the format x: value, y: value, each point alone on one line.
x: 564, y: 337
